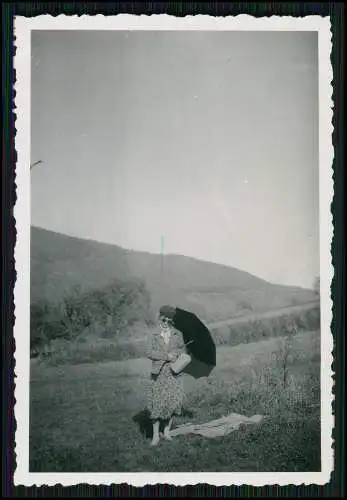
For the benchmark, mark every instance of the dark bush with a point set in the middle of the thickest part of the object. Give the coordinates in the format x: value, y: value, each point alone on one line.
x: 111, y: 309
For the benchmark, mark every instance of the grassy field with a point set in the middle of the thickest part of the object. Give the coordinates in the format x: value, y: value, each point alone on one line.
x: 84, y: 417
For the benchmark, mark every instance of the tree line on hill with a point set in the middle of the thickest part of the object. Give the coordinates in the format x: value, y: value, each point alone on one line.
x: 113, y: 311
x: 110, y: 310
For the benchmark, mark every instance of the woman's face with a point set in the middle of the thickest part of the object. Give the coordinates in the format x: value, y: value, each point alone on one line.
x: 165, y: 324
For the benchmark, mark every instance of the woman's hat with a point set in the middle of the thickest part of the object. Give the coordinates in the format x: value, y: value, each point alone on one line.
x: 167, y: 312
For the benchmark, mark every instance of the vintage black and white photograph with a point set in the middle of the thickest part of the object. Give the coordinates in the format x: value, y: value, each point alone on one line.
x: 173, y: 256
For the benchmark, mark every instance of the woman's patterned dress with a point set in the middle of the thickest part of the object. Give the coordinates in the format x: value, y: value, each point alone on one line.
x: 166, y: 392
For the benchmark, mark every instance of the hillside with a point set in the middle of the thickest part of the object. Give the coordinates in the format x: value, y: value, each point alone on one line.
x: 216, y: 292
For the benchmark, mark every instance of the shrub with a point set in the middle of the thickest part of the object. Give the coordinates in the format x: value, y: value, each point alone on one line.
x: 244, y: 305
x: 105, y: 311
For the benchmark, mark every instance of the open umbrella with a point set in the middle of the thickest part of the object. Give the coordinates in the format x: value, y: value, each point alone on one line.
x: 199, y: 343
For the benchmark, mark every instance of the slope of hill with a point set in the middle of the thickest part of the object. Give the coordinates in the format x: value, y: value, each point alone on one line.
x: 216, y: 292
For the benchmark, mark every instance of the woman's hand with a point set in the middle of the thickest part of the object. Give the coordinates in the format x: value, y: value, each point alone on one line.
x: 171, y: 357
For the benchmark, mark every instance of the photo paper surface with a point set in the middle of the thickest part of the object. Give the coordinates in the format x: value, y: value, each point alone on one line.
x: 181, y: 162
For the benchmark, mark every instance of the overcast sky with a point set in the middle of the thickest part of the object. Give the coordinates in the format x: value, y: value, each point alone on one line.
x: 207, y: 139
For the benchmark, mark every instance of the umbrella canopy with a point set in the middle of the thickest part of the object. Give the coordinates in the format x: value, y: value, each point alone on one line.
x: 198, y: 341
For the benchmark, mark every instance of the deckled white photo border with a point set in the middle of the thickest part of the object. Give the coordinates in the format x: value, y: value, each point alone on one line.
x: 22, y: 64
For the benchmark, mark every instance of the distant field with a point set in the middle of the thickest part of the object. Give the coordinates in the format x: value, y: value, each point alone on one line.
x: 131, y: 343
x: 82, y: 415
x: 266, y: 315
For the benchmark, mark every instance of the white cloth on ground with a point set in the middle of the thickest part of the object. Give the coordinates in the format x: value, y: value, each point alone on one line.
x: 219, y: 427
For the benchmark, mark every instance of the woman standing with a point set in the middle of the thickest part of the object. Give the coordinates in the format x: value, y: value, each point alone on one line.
x: 166, y: 391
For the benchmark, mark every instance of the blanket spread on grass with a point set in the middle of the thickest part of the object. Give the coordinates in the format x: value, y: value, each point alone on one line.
x: 219, y: 427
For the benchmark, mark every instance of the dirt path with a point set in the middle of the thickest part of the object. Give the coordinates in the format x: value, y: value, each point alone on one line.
x: 268, y: 314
